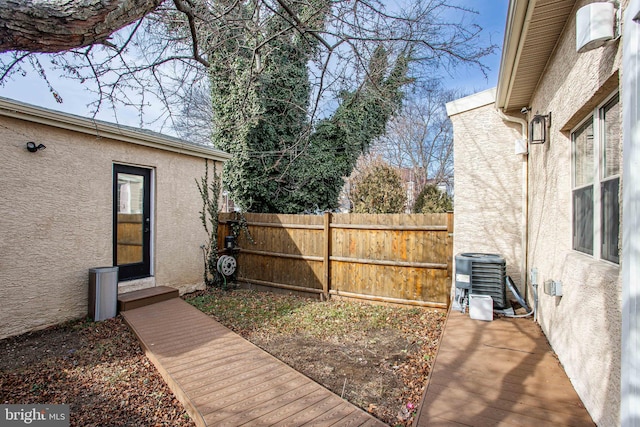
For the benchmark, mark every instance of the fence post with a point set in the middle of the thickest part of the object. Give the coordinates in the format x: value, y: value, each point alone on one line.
x: 326, y: 283
x: 450, y: 252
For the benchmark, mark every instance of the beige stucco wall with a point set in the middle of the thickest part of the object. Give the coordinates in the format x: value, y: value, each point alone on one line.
x: 583, y: 326
x: 56, y: 220
x: 488, y: 190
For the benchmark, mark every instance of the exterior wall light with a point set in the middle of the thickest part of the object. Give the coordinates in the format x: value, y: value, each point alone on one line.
x: 596, y: 24
x: 538, y: 128
x: 32, y: 147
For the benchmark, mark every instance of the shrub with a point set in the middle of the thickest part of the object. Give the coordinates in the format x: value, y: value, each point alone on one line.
x: 432, y: 200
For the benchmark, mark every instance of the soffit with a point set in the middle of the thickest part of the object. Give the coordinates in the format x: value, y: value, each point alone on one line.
x: 528, y: 48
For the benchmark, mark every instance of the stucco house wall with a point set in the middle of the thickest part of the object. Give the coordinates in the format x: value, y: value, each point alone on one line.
x: 488, y: 182
x: 56, y: 213
x: 584, y: 325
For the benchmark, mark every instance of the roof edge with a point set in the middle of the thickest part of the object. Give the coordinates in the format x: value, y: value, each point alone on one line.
x: 518, y: 16
x: 477, y: 100
x: 100, y: 129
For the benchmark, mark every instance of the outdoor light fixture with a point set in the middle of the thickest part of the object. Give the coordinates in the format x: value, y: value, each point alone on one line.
x: 596, y: 24
x: 538, y: 128
x: 32, y: 147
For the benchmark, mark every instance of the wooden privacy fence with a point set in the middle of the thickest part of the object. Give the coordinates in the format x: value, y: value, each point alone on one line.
x: 129, y: 238
x: 397, y: 258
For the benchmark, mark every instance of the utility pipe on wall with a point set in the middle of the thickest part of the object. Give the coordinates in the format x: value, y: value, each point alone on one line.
x: 524, y: 240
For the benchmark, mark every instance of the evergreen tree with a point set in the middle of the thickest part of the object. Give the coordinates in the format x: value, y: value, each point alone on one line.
x: 279, y: 163
x: 432, y: 200
x: 378, y: 190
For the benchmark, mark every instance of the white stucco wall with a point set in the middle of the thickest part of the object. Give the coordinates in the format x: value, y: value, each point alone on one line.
x: 56, y: 220
x: 488, y: 182
x: 583, y: 326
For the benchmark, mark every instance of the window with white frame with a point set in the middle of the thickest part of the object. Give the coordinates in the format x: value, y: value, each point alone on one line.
x: 597, y: 155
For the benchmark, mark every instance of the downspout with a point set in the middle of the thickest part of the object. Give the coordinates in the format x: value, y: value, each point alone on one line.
x: 524, y: 232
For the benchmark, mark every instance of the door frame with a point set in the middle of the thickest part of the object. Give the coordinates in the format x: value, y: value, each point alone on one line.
x: 142, y: 269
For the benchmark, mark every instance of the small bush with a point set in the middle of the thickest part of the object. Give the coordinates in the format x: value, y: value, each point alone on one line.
x: 432, y: 200
x: 379, y: 190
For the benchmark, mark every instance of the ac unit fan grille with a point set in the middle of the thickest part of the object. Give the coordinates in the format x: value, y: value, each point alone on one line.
x: 489, y: 279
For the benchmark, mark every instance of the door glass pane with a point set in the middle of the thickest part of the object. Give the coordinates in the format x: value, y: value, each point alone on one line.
x: 583, y: 165
x: 130, y: 226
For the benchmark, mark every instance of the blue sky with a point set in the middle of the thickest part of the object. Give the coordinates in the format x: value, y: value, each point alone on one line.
x: 31, y: 89
x: 492, y: 16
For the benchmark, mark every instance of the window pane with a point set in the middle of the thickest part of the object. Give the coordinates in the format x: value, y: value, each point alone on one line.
x: 583, y: 155
x: 611, y: 138
x: 583, y: 220
x: 610, y: 219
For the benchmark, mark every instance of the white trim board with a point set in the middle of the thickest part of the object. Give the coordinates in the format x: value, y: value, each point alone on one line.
x: 100, y: 129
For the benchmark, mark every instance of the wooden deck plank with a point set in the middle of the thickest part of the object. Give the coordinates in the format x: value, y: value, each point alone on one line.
x: 217, y: 367
x: 197, y: 358
x: 494, y: 399
x: 135, y: 299
x: 354, y: 419
x: 170, y: 342
x: 498, y: 373
x: 279, y: 401
x: 556, y: 398
x: 332, y: 417
x: 219, y: 373
x: 256, y: 390
x: 223, y: 357
x: 224, y: 380
x: 241, y: 408
x: 175, y: 359
x: 285, y: 412
x: 208, y: 382
x: 308, y: 414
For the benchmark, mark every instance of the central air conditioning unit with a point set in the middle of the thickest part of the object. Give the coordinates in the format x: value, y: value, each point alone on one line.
x: 481, y: 274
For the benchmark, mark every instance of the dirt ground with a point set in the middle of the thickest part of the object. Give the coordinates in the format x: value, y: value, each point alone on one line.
x: 376, y: 357
x: 98, y: 369
x: 365, y: 370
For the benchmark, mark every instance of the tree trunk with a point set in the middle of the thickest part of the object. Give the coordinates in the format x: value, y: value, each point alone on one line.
x: 58, y: 25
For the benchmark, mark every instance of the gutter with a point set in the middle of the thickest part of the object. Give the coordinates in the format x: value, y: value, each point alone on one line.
x: 100, y: 129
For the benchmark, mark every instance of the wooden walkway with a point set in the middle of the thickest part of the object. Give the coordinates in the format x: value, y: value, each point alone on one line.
x: 497, y: 374
x: 224, y: 380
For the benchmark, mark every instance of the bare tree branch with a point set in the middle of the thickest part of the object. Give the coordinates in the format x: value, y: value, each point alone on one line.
x: 170, y: 44
x: 187, y: 10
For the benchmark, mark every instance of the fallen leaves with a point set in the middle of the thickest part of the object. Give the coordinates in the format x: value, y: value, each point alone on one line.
x: 377, y: 357
x: 96, y: 368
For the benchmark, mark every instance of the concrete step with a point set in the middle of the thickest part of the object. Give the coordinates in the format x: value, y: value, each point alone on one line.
x: 143, y: 297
